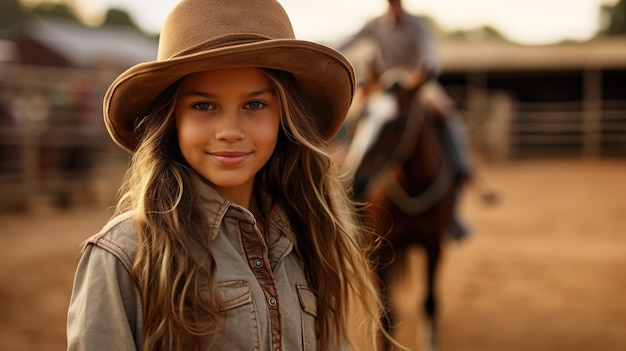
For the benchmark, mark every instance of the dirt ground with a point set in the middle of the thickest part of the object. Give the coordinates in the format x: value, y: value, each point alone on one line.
x: 543, y: 270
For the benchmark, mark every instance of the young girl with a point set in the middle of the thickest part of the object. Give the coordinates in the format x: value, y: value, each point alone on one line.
x: 233, y: 230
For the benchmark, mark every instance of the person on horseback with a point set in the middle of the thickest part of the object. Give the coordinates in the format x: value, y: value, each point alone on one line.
x: 406, y: 56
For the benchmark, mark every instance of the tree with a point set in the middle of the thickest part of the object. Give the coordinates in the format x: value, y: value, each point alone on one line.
x: 119, y: 17
x: 55, y: 10
x: 11, y: 13
x: 478, y: 34
x: 616, y: 18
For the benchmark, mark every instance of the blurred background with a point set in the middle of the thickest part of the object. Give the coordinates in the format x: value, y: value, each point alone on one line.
x: 542, y: 89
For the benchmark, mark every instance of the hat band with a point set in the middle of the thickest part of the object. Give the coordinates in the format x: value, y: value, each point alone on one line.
x: 228, y: 40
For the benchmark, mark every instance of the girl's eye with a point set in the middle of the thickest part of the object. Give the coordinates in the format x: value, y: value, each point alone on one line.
x: 203, y: 106
x: 255, y: 105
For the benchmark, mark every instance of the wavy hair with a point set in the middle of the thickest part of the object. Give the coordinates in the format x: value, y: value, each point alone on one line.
x: 159, y: 189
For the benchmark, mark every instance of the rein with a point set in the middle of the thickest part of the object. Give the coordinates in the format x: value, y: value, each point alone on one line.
x: 413, y: 205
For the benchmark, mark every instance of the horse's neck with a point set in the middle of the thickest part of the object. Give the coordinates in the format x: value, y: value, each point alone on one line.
x: 398, y: 131
x: 425, y: 162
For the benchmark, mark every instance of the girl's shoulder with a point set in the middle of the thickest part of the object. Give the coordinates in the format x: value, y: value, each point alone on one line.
x: 119, y: 238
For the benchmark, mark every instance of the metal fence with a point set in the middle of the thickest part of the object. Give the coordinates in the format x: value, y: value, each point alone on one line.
x: 506, y: 128
x: 54, y: 148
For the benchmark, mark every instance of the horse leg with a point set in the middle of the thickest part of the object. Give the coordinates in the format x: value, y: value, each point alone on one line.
x: 433, y: 252
x: 397, y: 291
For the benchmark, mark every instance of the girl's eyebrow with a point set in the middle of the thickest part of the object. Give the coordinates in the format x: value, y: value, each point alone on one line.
x: 261, y: 92
x: 194, y: 93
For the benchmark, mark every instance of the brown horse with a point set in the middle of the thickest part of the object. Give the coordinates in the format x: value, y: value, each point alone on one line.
x: 405, y: 175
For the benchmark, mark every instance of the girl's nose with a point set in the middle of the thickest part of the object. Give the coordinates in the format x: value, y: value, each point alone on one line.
x: 230, y: 126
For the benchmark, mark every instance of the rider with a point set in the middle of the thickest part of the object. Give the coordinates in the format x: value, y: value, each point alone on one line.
x: 406, y: 44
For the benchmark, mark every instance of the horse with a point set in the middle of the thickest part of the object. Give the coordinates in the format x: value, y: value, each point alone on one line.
x: 400, y: 167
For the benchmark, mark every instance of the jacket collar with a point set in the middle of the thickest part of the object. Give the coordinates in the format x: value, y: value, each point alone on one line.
x: 217, y: 208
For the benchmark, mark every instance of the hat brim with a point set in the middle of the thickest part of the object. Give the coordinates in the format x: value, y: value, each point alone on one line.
x: 323, y: 74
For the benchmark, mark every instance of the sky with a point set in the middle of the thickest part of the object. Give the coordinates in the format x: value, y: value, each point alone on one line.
x: 530, y: 22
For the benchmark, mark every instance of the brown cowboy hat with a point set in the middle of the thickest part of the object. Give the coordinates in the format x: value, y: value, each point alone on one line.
x: 200, y: 35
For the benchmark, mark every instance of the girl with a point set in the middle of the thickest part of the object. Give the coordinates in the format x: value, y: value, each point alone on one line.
x: 233, y: 230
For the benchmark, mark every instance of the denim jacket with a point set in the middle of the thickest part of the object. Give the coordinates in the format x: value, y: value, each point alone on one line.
x: 268, y: 302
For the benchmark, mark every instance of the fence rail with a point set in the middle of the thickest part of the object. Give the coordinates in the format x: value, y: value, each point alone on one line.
x: 524, y: 129
x: 53, y: 145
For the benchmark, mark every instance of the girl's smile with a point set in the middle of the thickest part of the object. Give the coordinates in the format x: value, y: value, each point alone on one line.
x: 230, y: 158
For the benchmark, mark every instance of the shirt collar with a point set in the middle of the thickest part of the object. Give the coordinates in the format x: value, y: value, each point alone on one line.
x: 217, y: 208
x: 390, y: 20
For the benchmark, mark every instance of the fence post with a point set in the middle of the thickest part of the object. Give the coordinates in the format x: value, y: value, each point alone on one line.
x: 475, y: 107
x: 592, y: 108
x: 29, y: 162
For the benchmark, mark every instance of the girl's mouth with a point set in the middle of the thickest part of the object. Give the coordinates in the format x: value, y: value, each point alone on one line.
x: 230, y: 158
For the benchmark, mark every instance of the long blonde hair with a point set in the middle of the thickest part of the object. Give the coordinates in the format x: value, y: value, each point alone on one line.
x: 158, y: 188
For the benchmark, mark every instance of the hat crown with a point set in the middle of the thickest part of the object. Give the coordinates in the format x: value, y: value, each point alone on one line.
x: 198, y: 25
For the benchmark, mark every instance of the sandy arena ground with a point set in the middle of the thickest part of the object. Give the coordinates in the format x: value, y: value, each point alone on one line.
x: 544, y: 270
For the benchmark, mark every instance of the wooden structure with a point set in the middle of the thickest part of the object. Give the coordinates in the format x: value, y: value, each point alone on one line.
x: 53, y: 143
x: 566, y: 99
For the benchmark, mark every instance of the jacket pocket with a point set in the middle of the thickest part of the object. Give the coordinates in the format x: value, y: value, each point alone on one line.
x: 240, y: 329
x: 308, y: 302
x: 234, y: 293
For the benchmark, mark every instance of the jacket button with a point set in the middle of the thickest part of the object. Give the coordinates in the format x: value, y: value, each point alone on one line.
x: 258, y: 263
x: 271, y: 301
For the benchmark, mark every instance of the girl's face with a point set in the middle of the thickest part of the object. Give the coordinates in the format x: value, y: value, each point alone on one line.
x: 227, y: 122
